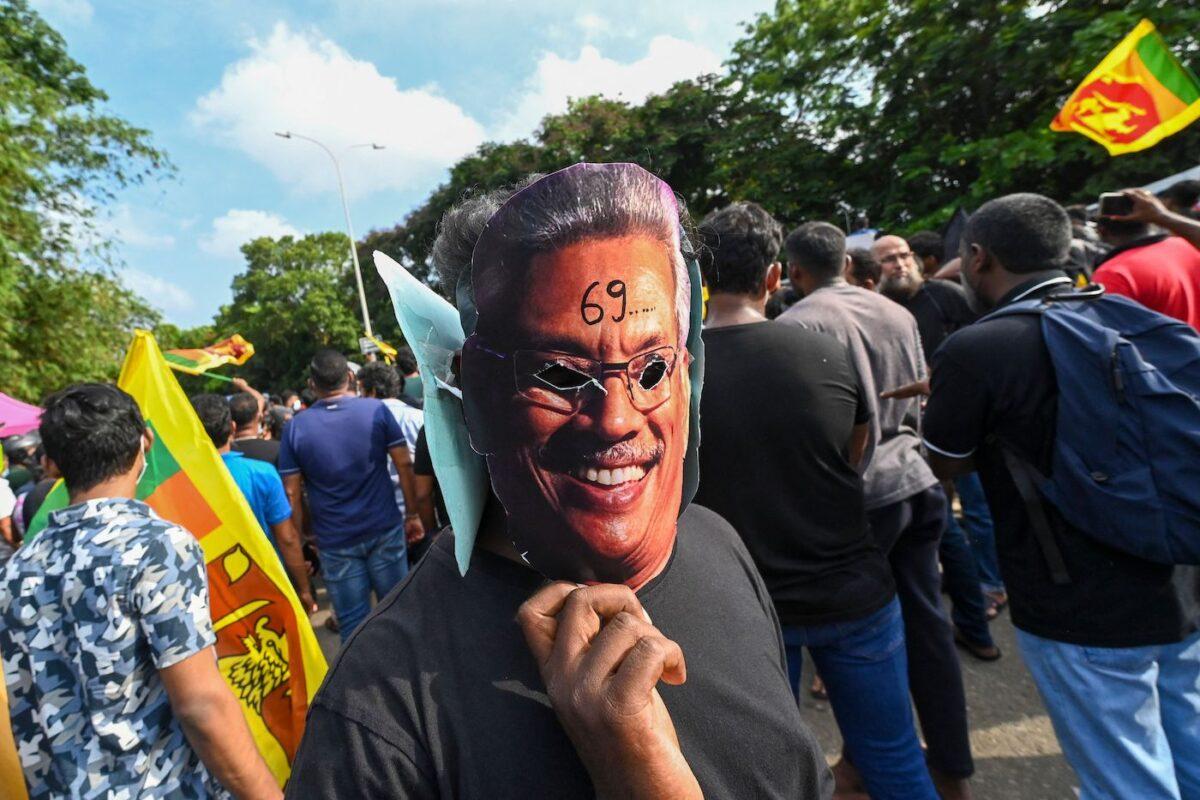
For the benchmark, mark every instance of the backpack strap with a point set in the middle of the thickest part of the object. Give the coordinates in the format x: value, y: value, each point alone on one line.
x: 1026, y: 478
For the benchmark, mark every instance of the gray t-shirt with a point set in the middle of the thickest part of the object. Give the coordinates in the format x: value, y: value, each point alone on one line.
x: 883, y: 340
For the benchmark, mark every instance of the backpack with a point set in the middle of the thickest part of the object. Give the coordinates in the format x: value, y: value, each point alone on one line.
x: 1125, y: 468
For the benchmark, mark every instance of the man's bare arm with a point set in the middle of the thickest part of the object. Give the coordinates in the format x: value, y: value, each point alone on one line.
x: 425, y: 508
x: 1148, y: 208
x: 242, y: 386
x: 858, y: 443
x: 293, y: 486
x: 288, y: 539
x: 214, y: 725
x: 414, y: 530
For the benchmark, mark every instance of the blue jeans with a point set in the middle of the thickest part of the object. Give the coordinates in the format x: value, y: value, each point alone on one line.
x: 977, y: 520
x: 352, y: 572
x: 865, y: 670
x: 1128, y: 718
x: 960, y: 576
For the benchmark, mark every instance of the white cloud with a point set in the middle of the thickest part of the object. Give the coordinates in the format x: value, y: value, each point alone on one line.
x: 76, y: 12
x: 237, y: 226
x: 132, y: 230
x: 556, y: 79
x: 306, y: 83
x: 592, y: 24
x: 157, y: 291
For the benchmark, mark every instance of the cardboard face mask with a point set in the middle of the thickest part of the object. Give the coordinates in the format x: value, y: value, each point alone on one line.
x: 580, y: 374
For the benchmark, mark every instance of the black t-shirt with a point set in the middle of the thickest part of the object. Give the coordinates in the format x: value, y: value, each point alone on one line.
x: 776, y: 416
x: 423, y: 465
x: 437, y: 694
x: 260, y: 449
x: 941, y: 308
x: 996, y: 378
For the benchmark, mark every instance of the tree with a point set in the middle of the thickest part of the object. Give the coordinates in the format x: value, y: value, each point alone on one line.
x: 925, y: 105
x: 290, y: 302
x: 60, y: 157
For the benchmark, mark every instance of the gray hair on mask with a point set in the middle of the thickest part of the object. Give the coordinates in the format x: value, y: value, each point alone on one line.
x: 546, y: 213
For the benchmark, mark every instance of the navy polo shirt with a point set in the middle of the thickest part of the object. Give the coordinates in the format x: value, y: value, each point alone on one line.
x: 340, y: 446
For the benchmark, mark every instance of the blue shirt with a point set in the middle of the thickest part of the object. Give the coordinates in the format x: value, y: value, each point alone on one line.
x: 263, y: 488
x: 340, y: 446
x: 90, y: 611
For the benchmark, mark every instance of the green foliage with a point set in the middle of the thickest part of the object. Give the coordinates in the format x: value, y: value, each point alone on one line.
x: 60, y: 157
x: 925, y: 105
x: 74, y: 326
x: 291, y: 300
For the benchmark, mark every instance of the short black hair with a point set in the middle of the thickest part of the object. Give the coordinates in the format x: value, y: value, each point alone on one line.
x: 1183, y: 194
x: 243, y: 407
x: 308, y: 397
x: 406, y: 362
x: 864, y: 265
x: 380, y: 379
x: 276, y: 419
x: 287, y: 395
x: 1025, y: 232
x: 329, y: 370
x: 92, y: 432
x: 739, y: 242
x: 818, y: 248
x: 213, y: 411
x: 926, y: 244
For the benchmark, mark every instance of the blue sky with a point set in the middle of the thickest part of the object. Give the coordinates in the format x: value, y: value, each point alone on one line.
x: 429, y: 79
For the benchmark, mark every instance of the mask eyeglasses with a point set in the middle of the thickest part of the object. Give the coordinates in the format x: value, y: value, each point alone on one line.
x: 559, y: 380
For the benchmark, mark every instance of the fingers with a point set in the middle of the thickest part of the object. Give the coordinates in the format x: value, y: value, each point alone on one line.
x: 561, y: 619
x: 651, y: 659
x: 615, y: 640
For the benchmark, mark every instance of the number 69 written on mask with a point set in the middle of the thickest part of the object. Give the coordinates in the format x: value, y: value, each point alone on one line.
x: 593, y: 313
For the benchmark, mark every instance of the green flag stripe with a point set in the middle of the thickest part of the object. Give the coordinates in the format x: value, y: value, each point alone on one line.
x: 160, y: 466
x: 1162, y: 63
x: 182, y: 361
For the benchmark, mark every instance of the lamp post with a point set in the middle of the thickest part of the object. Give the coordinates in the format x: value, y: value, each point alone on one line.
x: 337, y: 168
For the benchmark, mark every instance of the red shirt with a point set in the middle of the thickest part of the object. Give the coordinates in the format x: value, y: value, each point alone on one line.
x: 1163, y: 275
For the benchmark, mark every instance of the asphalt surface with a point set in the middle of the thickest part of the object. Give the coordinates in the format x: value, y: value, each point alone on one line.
x: 1016, y: 754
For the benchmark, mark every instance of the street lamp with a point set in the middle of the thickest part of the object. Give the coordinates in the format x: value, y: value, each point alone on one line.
x: 337, y: 168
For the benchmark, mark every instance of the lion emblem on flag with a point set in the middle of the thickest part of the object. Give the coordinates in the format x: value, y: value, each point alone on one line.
x: 262, y: 669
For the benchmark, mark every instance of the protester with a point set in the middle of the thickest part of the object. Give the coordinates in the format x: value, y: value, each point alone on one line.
x: 927, y: 247
x: 430, y: 503
x: 1159, y: 270
x: 337, y: 453
x: 1114, y: 651
x: 796, y: 498
x: 8, y: 504
x: 1086, y: 247
x: 940, y: 308
x: 248, y: 409
x: 31, y: 501
x: 1183, y: 198
x: 410, y: 377
x: 261, y: 486
x: 906, y: 507
x: 291, y: 399
x: 105, y: 633
x: 863, y: 270
x: 383, y: 382
x: 571, y: 708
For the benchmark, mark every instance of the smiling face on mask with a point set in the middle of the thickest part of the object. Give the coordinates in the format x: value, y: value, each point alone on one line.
x: 576, y: 390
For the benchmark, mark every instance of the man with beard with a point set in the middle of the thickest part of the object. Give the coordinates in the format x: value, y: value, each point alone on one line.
x: 940, y: 308
x: 664, y: 675
x: 906, y: 506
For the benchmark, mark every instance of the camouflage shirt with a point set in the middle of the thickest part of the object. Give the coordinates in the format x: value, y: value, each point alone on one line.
x: 105, y: 597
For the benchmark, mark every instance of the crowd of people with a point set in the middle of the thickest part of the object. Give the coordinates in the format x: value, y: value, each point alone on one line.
x: 874, y: 428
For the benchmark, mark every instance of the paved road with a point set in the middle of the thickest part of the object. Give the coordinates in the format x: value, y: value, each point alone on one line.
x: 1016, y: 754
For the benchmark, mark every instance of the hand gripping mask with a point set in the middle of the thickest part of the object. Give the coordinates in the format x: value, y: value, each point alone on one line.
x: 577, y: 394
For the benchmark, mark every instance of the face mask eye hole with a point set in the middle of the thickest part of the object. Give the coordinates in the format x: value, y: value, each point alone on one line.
x: 652, y: 374
x: 560, y: 376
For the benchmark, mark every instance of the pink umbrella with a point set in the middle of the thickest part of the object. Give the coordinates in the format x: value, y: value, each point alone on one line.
x: 17, y: 417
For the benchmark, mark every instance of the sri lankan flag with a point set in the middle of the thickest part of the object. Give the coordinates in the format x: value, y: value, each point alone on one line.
x: 1137, y: 96
x: 266, y: 648
x: 234, y: 350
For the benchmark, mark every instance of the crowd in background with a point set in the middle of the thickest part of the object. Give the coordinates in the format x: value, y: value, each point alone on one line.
x: 859, y: 425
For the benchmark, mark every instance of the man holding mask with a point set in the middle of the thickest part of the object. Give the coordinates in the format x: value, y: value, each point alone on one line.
x: 663, y: 676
